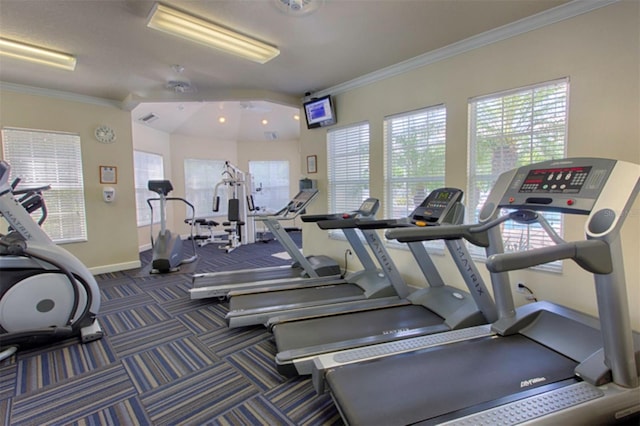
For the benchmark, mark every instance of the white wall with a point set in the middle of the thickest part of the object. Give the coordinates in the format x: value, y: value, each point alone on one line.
x: 599, y: 52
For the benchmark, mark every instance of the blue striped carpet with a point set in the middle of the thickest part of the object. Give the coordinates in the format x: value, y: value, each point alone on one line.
x: 165, y: 360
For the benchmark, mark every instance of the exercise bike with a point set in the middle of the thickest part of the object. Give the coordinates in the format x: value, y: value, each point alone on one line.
x: 167, y: 247
x: 46, y: 293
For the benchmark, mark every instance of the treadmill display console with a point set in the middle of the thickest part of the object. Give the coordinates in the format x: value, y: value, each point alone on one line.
x: 570, y: 185
x: 368, y: 207
x: 301, y: 200
x: 435, y: 207
x: 567, y: 180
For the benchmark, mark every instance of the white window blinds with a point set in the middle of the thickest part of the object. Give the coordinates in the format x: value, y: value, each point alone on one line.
x: 201, y: 177
x: 414, y: 158
x: 147, y: 166
x: 41, y: 158
x: 348, y: 167
x: 511, y: 129
x: 271, y: 182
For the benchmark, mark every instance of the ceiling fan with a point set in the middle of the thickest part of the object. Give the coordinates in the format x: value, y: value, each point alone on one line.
x: 178, y: 83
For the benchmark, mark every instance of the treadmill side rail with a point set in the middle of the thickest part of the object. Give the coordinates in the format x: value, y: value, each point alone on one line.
x: 534, y: 407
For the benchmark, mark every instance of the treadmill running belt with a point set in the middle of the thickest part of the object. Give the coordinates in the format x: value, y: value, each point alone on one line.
x: 310, y: 295
x: 410, y: 388
x: 357, y: 325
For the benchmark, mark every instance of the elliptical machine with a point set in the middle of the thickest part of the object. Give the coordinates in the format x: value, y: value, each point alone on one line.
x: 167, y: 247
x: 46, y: 293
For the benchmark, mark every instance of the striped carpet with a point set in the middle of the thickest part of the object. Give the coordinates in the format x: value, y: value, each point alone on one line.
x: 165, y: 360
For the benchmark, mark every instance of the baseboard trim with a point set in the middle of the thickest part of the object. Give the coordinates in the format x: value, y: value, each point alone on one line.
x: 115, y: 267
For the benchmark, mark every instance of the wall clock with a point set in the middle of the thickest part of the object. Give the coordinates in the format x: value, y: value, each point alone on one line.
x: 105, y: 134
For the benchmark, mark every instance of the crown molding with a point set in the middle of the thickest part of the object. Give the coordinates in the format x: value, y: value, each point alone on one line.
x: 534, y: 22
x: 58, y: 94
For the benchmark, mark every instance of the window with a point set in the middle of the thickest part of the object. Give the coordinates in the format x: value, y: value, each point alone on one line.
x: 511, y: 129
x: 41, y: 158
x: 347, y: 167
x: 147, y: 167
x: 271, y: 183
x: 200, y: 179
x: 414, y: 158
x: 415, y: 145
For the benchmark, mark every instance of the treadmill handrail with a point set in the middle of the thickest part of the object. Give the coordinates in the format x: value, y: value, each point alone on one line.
x: 592, y: 255
x: 475, y: 234
x: 383, y: 223
x: 310, y: 218
x: 338, y: 223
x: 367, y: 211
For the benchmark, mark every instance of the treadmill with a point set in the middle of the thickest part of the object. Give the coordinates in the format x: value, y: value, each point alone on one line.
x: 542, y: 362
x: 376, y: 285
x: 426, y: 311
x: 303, y: 269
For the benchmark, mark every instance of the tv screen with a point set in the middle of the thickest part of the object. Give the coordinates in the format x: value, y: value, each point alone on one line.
x: 320, y: 112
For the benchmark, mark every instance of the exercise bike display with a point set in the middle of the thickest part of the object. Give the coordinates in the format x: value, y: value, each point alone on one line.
x: 167, y: 247
x: 46, y: 293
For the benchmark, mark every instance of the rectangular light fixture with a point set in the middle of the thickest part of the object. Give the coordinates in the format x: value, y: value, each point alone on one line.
x: 27, y: 52
x: 207, y: 33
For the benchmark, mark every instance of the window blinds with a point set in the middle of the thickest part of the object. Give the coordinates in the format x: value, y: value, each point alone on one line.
x: 415, y: 145
x: 51, y: 158
x: 348, y: 167
x: 511, y: 129
x: 147, y: 166
x: 271, y: 180
x: 200, y: 179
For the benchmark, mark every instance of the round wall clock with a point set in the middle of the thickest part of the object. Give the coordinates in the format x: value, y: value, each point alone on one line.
x: 105, y: 134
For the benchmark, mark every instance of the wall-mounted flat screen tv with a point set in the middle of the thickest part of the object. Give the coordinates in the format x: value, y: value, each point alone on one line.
x: 320, y: 112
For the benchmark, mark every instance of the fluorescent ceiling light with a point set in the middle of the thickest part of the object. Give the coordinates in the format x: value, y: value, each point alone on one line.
x: 198, y: 30
x: 36, y: 54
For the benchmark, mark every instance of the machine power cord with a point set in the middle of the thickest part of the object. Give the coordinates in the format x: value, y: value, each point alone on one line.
x: 524, y: 287
x: 347, y: 253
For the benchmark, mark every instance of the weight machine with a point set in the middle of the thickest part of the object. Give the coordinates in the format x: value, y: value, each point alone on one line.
x: 239, y: 226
